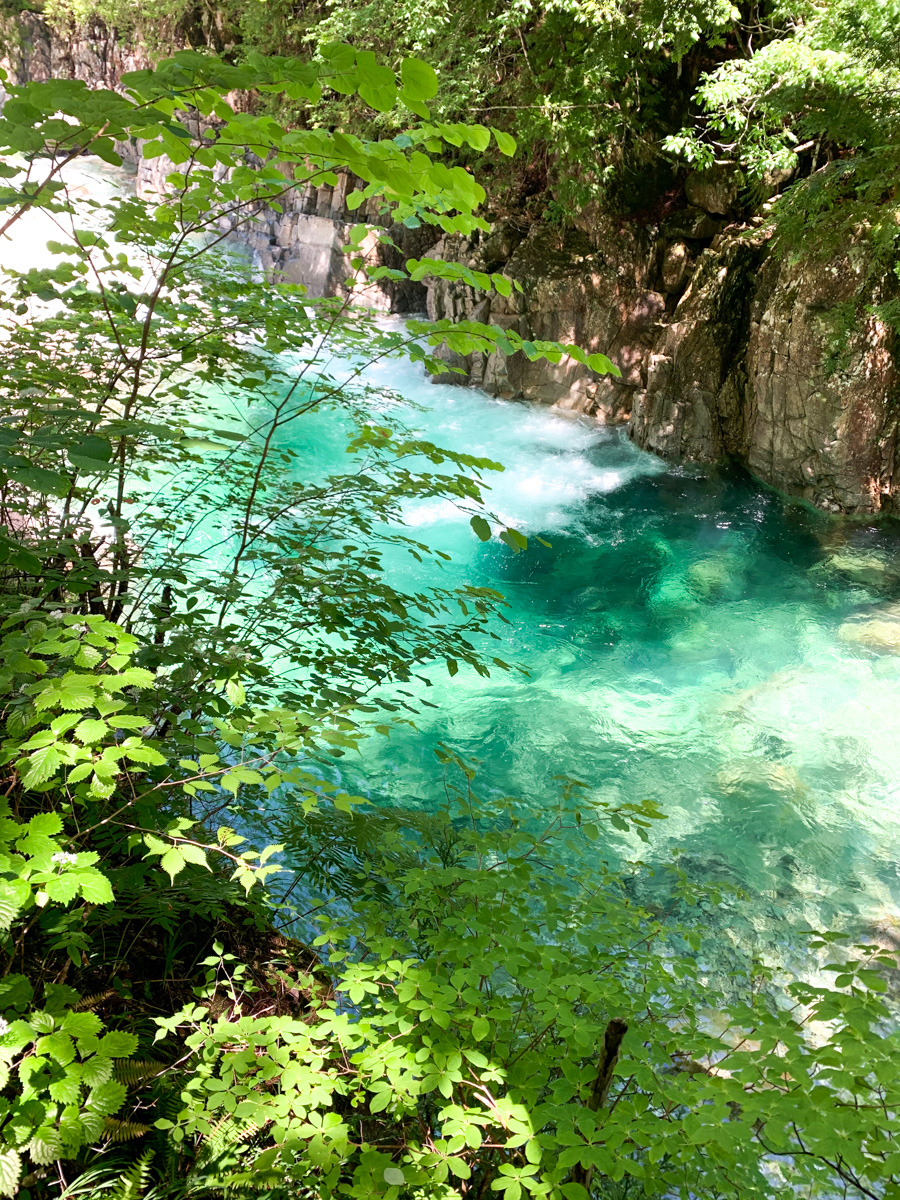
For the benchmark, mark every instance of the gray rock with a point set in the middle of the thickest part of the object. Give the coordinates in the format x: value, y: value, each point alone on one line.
x: 715, y: 190
x: 676, y: 263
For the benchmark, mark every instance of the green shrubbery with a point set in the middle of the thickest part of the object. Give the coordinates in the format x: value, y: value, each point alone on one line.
x: 459, y: 1004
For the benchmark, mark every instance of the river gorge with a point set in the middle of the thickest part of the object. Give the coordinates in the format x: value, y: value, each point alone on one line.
x: 729, y: 347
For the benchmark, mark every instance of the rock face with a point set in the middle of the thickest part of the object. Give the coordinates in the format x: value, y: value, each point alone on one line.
x: 726, y: 348
x: 574, y: 289
x: 92, y: 53
x: 303, y: 243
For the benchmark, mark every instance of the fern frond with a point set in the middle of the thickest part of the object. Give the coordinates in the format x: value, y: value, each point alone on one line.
x: 115, y: 1130
x: 222, y: 1144
x: 89, y: 1002
x: 133, y: 1072
x: 133, y: 1183
x: 249, y: 1183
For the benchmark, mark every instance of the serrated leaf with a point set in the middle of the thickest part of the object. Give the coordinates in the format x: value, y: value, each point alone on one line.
x: 10, y: 1172
x: 172, y: 862
x: 46, y: 1146
x: 117, y: 1044
x: 108, y: 1097
x: 58, y: 1046
x: 40, y: 766
x: 91, y: 730
x: 63, y: 889
x: 94, y: 887
x: 81, y: 1024
x: 66, y: 1090
x: 194, y: 854
x: 49, y: 824
x: 96, y: 1070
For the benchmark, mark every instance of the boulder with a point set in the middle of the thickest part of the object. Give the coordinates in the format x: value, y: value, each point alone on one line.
x: 692, y: 223
x: 676, y: 263
x: 715, y: 190
x: 881, y: 634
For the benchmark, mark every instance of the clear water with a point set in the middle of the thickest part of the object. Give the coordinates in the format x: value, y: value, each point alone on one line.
x: 690, y: 639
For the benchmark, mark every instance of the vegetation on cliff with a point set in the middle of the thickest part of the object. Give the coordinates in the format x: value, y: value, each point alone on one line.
x: 197, y: 622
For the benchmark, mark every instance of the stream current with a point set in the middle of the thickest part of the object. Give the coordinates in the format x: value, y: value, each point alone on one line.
x: 691, y: 638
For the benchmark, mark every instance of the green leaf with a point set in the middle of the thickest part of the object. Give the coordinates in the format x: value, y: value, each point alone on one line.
x: 108, y: 1097
x: 94, y: 887
x: 478, y: 137
x: 81, y: 1024
x: 505, y: 143
x: 393, y: 1177
x: 481, y: 527
x: 116, y: 1044
x: 39, y: 479
x: 96, y: 1070
x: 515, y: 540
x: 91, y: 730
x: 63, y: 889
x: 172, y: 862
x: 602, y: 365
x: 419, y: 79
x: 203, y: 444
x: 47, y: 824
x: 91, y: 454
x: 10, y: 1172
x: 40, y: 766
x: 46, y: 1146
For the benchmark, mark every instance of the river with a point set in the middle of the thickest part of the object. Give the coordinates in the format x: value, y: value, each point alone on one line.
x: 690, y: 638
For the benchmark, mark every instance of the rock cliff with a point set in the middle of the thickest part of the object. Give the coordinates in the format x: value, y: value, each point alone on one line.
x: 727, y: 348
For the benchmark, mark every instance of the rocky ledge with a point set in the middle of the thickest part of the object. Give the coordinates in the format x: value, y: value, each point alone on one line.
x: 727, y: 348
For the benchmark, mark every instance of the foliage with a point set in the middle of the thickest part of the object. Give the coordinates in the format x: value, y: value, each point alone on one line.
x: 587, y: 87
x: 196, y: 620
x: 817, y: 100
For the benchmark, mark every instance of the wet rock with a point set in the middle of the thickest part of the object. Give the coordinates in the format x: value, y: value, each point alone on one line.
x: 880, y: 633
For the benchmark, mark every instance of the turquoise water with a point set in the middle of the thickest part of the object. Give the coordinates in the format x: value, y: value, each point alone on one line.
x: 691, y: 639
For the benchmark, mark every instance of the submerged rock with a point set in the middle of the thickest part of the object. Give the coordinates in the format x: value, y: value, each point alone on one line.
x: 880, y: 633
x: 863, y: 567
x: 709, y: 577
x: 672, y: 597
x: 746, y: 778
